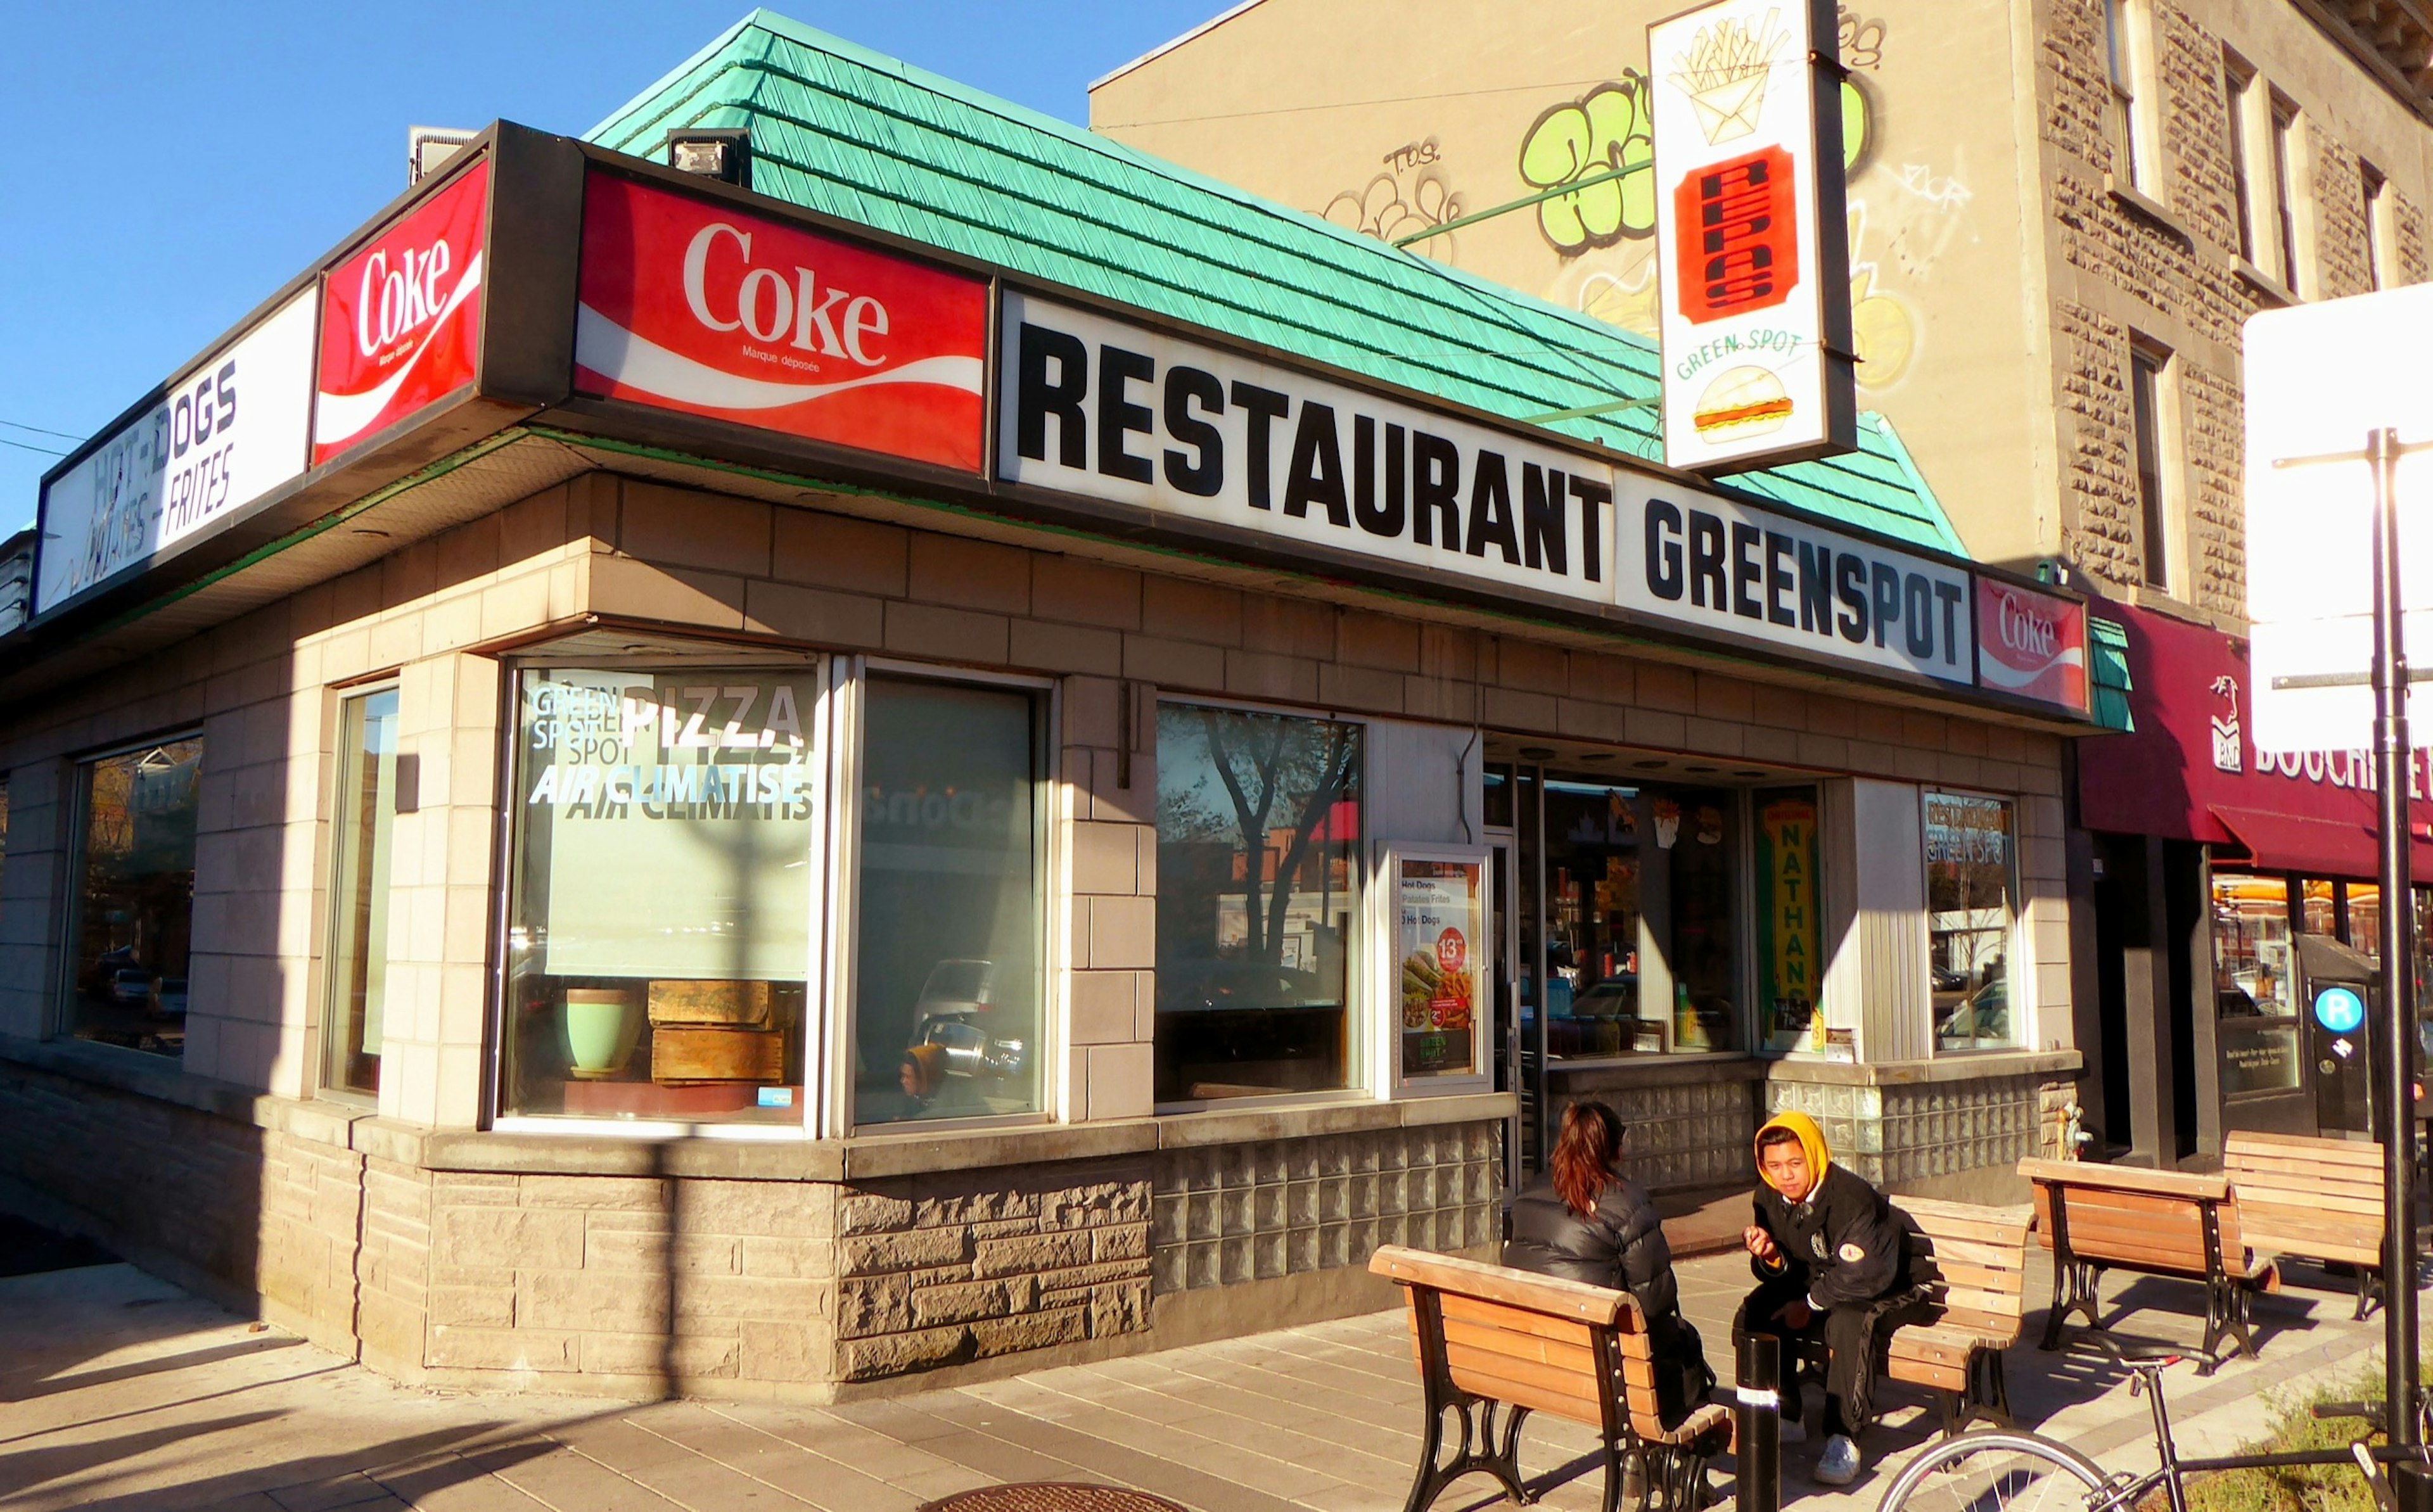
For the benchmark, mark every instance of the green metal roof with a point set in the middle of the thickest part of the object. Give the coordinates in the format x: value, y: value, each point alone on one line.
x: 869, y: 139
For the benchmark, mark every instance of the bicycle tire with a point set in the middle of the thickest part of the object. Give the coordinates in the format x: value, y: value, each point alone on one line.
x: 1996, y: 1471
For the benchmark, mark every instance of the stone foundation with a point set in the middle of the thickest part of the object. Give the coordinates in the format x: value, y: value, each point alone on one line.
x: 721, y: 1269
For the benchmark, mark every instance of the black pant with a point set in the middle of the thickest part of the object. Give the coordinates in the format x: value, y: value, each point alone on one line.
x: 1848, y: 1335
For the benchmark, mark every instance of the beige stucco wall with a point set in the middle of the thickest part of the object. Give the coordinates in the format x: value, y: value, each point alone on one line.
x: 1995, y: 284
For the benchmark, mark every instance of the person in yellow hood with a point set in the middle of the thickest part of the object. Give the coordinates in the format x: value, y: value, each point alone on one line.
x: 1832, y: 1261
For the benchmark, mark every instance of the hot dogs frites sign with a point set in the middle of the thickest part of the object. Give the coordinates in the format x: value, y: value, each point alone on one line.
x: 1109, y: 410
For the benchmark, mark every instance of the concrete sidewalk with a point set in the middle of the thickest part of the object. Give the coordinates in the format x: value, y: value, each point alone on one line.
x: 122, y: 1393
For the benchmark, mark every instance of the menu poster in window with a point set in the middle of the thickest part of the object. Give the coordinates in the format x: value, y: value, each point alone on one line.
x: 682, y: 819
x: 1787, y: 935
x: 1442, y: 934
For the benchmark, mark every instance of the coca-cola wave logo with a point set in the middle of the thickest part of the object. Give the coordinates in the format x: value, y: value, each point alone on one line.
x: 690, y: 305
x: 2032, y: 644
x: 401, y: 320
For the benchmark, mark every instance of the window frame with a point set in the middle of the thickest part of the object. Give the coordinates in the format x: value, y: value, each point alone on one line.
x: 2017, y: 982
x: 60, y: 1021
x: 838, y: 1037
x: 2129, y: 136
x: 2239, y: 79
x: 1384, y: 906
x: 1364, y: 1080
x: 2380, y: 226
x: 348, y: 697
x: 2153, y: 389
x: 819, y: 670
x: 2286, y: 145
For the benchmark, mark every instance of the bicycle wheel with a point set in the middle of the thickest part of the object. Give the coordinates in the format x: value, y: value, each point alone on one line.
x: 1996, y: 1472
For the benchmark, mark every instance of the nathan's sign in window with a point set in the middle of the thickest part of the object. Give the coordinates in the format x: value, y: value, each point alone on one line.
x: 1789, y: 958
x: 2032, y: 644
x: 1440, y: 971
x: 226, y: 433
x: 1097, y: 407
x: 659, y: 933
x: 690, y: 304
x: 1723, y: 568
x: 1755, y: 310
x: 401, y: 319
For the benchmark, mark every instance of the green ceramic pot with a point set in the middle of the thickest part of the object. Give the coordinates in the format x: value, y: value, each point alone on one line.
x: 601, y: 1029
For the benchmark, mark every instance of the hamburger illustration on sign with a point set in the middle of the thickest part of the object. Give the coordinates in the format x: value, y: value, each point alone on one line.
x: 1756, y: 321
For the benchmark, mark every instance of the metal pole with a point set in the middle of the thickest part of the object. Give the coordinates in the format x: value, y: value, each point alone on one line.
x: 1757, y: 1454
x: 2397, y: 1103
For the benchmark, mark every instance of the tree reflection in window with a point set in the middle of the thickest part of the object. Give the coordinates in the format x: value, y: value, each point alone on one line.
x: 1258, y: 837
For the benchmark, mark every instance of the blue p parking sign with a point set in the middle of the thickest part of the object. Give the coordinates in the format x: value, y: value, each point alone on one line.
x: 2340, y: 1010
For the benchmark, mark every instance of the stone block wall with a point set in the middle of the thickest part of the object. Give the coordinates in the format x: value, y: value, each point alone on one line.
x: 1226, y: 1215
x: 2160, y: 264
x: 1928, y: 1135
x: 1689, y: 1131
x: 954, y: 1266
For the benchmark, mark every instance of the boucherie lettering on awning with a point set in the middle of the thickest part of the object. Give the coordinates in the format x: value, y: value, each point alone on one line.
x: 1110, y: 410
x: 1092, y: 405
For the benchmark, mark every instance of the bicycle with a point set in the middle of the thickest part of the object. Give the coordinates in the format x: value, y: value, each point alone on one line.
x: 2009, y: 1470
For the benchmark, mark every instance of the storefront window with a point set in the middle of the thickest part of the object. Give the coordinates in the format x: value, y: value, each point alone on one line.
x: 2255, y: 985
x: 1640, y: 926
x: 1972, y: 908
x: 132, y: 918
x: 659, y: 936
x: 2322, y: 911
x: 1258, y: 889
x: 359, y: 897
x: 947, y: 974
x: 1789, y: 944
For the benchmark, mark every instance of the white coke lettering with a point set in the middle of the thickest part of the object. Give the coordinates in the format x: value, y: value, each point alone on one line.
x: 767, y: 307
x: 2023, y: 629
x: 407, y: 298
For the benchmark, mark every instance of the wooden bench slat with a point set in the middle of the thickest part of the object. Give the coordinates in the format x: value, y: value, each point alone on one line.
x: 1967, y: 1299
x: 1519, y: 1346
x: 2304, y: 1147
x: 2318, y: 1200
x: 2128, y: 1178
x: 1532, y: 1293
x: 2010, y: 1282
x: 1558, y: 1403
x: 1928, y: 1373
x: 1472, y: 1310
x: 1976, y: 1253
x: 2002, y: 1230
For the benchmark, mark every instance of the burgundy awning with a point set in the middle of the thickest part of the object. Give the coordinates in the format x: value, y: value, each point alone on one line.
x: 2317, y: 847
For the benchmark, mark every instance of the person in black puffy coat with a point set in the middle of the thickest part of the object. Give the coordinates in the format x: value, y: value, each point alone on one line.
x: 1586, y: 1221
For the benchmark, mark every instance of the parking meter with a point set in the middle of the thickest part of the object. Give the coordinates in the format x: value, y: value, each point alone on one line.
x: 2342, y: 1001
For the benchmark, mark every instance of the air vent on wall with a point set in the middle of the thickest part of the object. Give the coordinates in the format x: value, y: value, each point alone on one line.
x: 723, y: 154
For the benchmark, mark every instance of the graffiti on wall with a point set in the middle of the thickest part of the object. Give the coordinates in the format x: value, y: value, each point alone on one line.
x: 1905, y: 210
x: 1411, y: 195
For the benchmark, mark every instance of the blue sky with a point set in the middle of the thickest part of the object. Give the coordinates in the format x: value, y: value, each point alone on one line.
x: 167, y: 167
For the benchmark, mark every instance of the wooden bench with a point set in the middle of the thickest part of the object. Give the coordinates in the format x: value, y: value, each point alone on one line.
x: 1489, y: 1338
x: 1973, y: 1262
x: 2160, y: 1223
x: 2319, y: 1198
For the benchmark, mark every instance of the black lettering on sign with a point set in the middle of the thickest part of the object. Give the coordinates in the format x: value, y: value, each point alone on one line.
x: 1377, y: 517
x: 1491, y: 509
x: 1919, y: 610
x: 1035, y: 399
x: 1265, y: 405
x: 1117, y: 415
x: 1886, y: 580
x: 1949, y: 594
x: 1778, y: 579
x: 1816, y: 588
x: 1544, y: 543
x: 1436, y: 489
x: 1316, y: 476
x: 1746, y: 574
x: 1664, y: 551
x: 1594, y: 497
x: 1850, y: 586
x: 1706, y: 561
x: 1203, y: 475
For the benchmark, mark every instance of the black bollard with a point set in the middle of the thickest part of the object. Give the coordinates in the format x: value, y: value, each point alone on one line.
x: 1757, y: 1481
x: 2412, y: 1485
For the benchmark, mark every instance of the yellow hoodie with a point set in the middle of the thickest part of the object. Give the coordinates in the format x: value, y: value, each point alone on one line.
x: 1811, y: 1144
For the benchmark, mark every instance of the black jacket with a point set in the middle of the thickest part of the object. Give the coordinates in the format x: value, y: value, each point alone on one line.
x: 1620, y: 1244
x: 1843, y: 1245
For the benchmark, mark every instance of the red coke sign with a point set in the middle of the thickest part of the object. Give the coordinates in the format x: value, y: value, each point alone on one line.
x: 688, y: 304
x: 2032, y: 644
x: 401, y: 319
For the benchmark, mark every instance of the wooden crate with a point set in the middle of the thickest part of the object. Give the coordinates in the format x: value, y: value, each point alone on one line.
x: 684, y: 1052
x: 730, y: 1005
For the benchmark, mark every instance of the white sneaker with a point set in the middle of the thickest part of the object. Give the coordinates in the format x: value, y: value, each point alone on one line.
x: 1793, y: 1431
x: 1839, y: 1463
